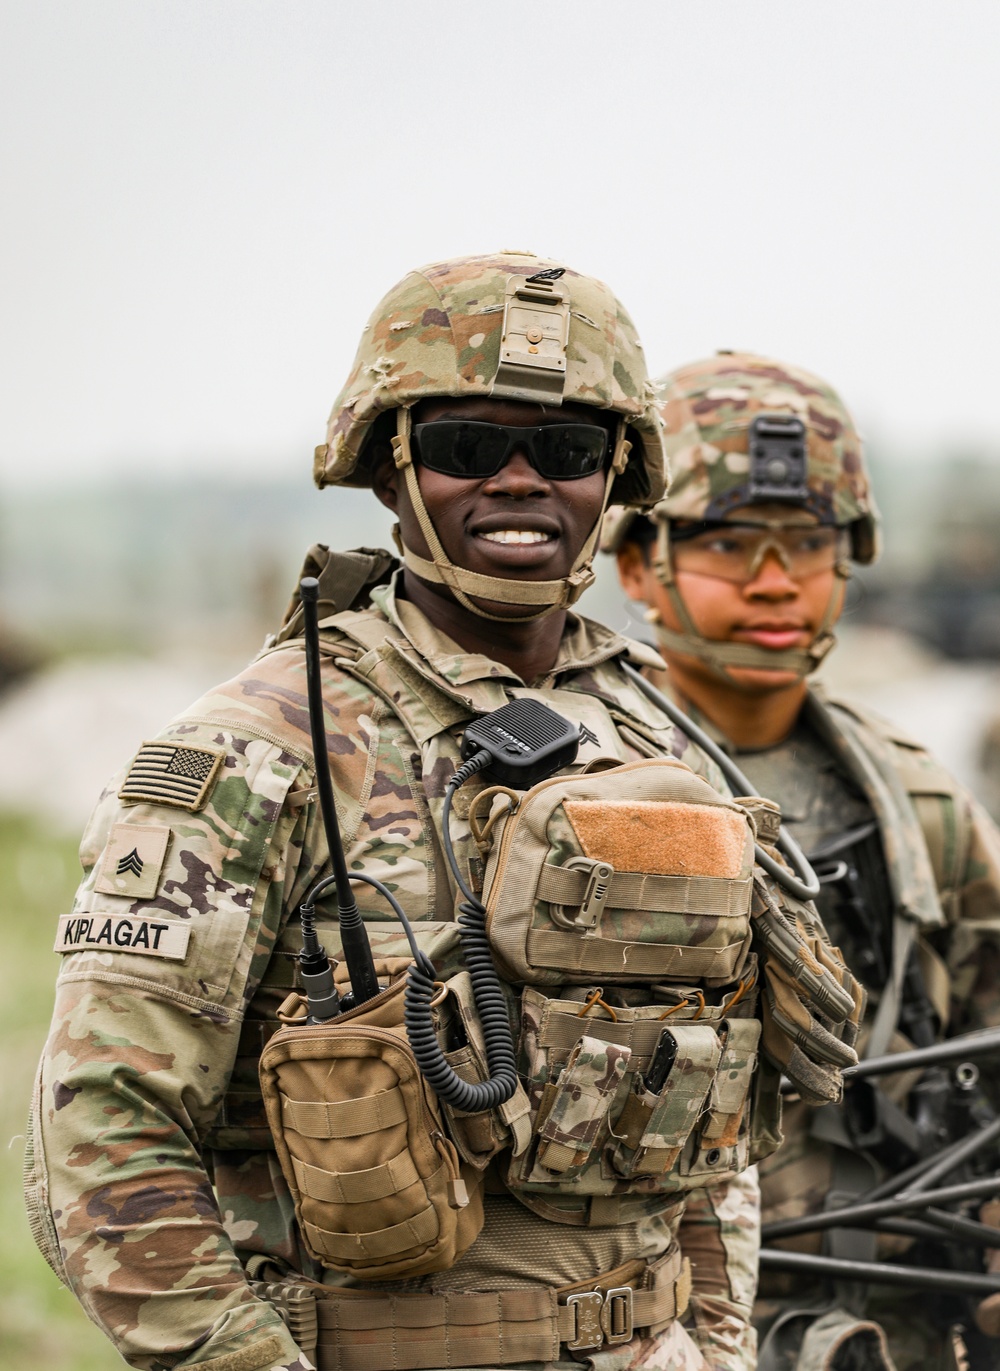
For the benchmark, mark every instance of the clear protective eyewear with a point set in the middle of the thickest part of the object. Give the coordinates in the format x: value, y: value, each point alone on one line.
x: 736, y: 552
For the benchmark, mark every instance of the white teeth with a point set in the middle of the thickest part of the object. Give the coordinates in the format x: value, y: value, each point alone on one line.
x: 517, y: 535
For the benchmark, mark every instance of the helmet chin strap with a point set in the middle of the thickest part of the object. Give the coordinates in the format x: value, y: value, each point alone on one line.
x: 718, y: 656
x: 549, y: 595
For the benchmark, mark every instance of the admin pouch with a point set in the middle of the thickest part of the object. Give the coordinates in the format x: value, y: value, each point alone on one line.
x: 630, y: 874
x: 380, y: 1192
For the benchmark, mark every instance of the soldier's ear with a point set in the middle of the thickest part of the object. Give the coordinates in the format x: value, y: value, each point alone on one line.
x: 632, y: 571
x: 385, y: 483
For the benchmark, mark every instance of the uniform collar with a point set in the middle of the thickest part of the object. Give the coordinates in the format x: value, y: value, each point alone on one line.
x: 585, y: 645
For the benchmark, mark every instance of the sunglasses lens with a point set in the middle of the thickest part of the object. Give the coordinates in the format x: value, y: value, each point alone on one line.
x: 565, y: 451
x: 454, y: 447
x: 559, y: 452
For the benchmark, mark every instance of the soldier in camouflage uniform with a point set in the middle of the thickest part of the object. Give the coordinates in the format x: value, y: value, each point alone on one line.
x: 743, y: 567
x: 152, y: 1181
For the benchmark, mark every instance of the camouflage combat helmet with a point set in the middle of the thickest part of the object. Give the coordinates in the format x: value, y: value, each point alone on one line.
x: 506, y: 324
x: 708, y: 408
x: 713, y: 411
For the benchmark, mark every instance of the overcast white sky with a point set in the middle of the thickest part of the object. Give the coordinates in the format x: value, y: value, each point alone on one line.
x: 203, y: 199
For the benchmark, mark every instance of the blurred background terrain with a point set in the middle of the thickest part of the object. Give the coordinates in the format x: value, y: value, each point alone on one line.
x: 204, y: 199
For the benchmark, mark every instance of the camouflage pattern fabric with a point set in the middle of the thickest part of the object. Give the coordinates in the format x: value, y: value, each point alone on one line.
x: 146, y: 1087
x: 943, y: 864
x: 707, y: 409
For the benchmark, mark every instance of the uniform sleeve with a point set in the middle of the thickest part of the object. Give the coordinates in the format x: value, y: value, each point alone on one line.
x: 168, y: 937
x: 720, y: 1233
x: 973, y: 951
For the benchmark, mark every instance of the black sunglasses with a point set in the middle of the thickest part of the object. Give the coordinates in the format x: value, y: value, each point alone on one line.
x: 463, y: 447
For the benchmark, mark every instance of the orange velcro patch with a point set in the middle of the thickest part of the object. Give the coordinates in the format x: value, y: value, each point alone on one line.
x: 663, y: 837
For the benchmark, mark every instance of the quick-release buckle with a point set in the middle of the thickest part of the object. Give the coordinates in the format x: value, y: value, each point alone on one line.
x: 602, y: 1318
x: 596, y: 891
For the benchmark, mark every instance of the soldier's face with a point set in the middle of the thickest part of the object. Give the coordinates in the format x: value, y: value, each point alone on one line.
x: 516, y: 524
x: 775, y: 609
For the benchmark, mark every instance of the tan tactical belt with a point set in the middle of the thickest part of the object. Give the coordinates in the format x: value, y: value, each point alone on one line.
x: 365, y: 1330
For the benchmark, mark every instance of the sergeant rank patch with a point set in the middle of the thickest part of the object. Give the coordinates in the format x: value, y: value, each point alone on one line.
x: 119, y: 933
x: 168, y: 773
x: 133, y: 860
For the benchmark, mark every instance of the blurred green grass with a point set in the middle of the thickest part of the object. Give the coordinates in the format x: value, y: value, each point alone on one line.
x: 41, y: 1324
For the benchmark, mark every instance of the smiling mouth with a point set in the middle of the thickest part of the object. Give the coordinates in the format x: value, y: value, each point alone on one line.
x: 515, y: 537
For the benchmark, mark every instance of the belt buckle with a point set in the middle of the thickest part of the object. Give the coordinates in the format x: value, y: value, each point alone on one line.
x: 589, y: 1310
x: 616, y: 1314
x: 602, y: 1318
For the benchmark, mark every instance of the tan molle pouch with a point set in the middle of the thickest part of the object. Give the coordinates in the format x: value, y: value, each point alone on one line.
x: 635, y: 873
x: 379, y: 1189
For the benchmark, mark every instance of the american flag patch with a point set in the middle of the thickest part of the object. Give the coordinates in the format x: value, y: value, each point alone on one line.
x: 171, y: 774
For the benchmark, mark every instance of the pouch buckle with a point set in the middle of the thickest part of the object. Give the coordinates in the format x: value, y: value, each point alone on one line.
x: 602, y: 1318
x: 596, y: 891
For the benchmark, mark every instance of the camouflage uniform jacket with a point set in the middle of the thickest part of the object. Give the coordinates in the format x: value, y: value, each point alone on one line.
x: 942, y: 858
x: 149, y: 1177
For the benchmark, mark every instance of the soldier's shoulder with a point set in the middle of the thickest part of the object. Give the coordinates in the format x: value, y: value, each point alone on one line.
x: 268, y: 699
x: 887, y: 730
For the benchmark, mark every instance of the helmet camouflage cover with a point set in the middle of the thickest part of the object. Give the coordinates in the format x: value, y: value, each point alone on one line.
x: 449, y: 329
x: 708, y: 408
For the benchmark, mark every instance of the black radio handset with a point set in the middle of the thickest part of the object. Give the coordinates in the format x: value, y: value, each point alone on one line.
x: 318, y: 979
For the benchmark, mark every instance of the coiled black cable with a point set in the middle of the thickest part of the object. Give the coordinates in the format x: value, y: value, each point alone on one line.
x: 486, y: 989
x: 421, y: 984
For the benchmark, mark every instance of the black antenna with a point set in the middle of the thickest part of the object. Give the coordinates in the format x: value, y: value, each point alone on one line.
x: 353, y: 936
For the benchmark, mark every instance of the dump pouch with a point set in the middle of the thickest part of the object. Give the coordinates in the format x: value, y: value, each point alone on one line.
x: 379, y: 1189
x: 633, y: 874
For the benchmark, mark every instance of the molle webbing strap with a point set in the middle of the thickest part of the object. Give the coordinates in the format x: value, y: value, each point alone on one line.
x: 344, y: 1118
x: 369, y: 1331
x: 417, y: 1232
x: 551, y: 948
x: 562, y: 1032
x: 356, y: 1187
x: 707, y: 895
x: 887, y: 1015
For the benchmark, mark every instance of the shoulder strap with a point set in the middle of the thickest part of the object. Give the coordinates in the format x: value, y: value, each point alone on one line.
x: 871, y: 760
x: 346, y: 580
x: 937, y: 798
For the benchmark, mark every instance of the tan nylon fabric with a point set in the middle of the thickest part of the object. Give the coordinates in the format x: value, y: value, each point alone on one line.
x: 361, y: 1143
x: 709, y: 936
x: 361, y: 1332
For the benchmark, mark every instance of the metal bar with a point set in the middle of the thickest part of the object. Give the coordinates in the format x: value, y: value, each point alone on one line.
x: 955, y: 1049
x: 967, y: 1148
x: 968, y: 1230
x: 859, y: 1215
x: 880, y: 1273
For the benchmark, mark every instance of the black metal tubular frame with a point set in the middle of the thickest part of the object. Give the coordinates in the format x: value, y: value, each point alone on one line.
x: 859, y: 1215
x: 880, y: 1273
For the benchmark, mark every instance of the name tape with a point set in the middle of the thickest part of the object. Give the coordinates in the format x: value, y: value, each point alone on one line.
x: 119, y: 933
